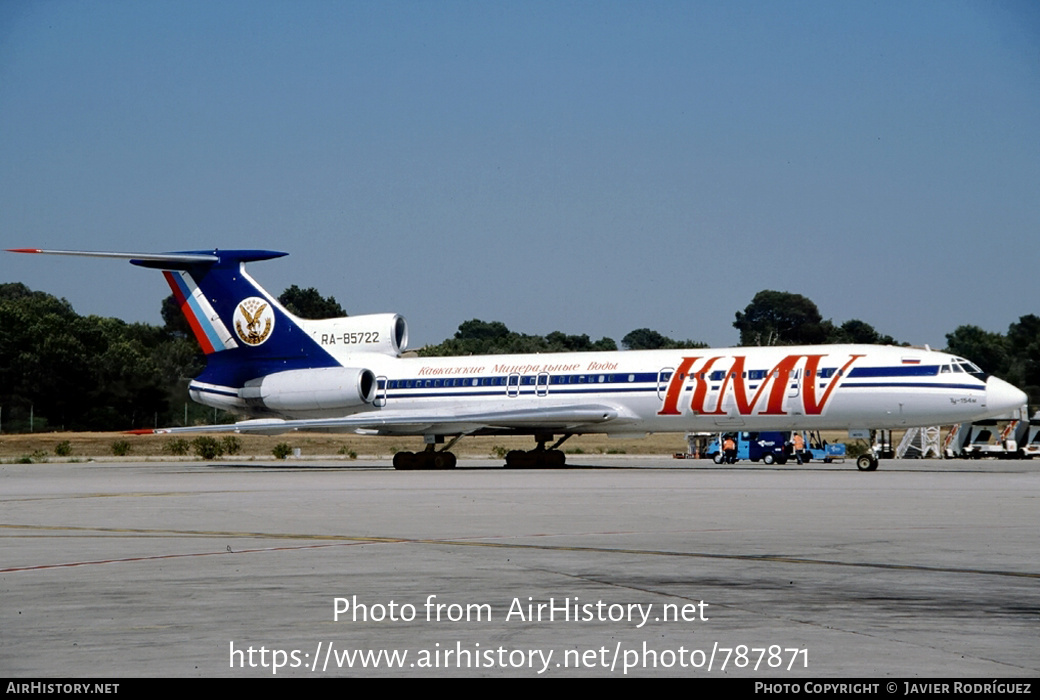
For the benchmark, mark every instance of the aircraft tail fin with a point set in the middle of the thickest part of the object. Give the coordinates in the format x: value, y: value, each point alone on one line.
x: 222, y: 304
x: 243, y: 330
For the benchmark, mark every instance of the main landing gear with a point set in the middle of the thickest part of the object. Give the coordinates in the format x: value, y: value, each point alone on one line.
x: 430, y: 458
x: 539, y: 457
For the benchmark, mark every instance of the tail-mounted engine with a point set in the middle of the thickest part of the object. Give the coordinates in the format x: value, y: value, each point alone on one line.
x: 311, y: 390
x: 382, y: 333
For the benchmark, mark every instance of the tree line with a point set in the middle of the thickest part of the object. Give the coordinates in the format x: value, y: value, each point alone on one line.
x: 63, y: 371
x: 60, y: 370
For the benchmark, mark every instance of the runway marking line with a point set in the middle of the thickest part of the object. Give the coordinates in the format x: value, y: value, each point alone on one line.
x: 350, y: 540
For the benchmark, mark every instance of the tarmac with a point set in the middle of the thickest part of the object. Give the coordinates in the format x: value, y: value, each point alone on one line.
x: 620, y: 566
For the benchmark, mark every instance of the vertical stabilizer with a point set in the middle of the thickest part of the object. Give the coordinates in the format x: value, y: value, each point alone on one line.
x: 244, y: 331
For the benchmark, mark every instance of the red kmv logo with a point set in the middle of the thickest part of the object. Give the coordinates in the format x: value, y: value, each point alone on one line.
x: 771, y: 390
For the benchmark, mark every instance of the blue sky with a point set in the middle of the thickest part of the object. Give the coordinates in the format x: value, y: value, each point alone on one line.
x: 590, y: 167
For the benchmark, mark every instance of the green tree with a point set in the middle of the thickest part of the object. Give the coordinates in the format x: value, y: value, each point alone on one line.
x: 174, y: 319
x: 43, y: 361
x: 644, y: 339
x: 647, y: 339
x: 309, y: 303
x: 482, y: 330
x: 988, y: 350
x: 83, y: 372
x: 1023, y: 341
x: 476, y: 337
x: 860, y: 332
x: 560, y: 342
x: 781, y: 318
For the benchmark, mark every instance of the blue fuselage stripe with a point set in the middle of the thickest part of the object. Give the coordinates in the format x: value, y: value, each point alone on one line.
x: 616, y: 383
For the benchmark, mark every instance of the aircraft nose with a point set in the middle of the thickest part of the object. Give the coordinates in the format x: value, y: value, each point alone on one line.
x: 1003, y: 397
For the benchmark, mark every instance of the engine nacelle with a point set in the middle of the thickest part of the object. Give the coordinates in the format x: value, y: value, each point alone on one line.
x: 311, y: 389
x: 382, y: 333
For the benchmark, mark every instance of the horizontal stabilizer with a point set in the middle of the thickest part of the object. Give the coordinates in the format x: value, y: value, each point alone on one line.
x: 181, y: 258
x: 178, y: 260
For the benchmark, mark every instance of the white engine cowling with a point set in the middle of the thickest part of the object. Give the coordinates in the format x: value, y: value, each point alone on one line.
x: 311, y: 389
x: 382, y: 333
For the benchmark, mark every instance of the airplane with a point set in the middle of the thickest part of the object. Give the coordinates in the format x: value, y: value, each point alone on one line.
x: 281, y: 373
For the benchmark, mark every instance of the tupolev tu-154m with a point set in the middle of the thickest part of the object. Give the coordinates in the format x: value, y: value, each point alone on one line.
x: 281, y: 373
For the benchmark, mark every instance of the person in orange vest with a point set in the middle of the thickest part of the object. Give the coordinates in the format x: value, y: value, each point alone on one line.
x: 799, y: 446
x: 729, y: 448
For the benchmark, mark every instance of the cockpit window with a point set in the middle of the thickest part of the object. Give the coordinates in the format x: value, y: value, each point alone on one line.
x: 964, y: 366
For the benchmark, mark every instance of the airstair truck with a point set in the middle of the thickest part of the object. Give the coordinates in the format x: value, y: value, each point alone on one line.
x: 1030, y: 442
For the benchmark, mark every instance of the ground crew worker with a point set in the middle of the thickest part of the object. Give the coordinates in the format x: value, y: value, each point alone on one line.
x: 799, y: 446
x: 729, y: 448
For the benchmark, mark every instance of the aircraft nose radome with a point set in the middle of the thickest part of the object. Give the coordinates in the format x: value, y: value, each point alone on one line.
x: 1003, y: 397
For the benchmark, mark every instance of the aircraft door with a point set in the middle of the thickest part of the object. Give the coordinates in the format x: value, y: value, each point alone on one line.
x: 381, y: 384
x: 663, y: 377
x: 513, y: 385
x: 541, y: 386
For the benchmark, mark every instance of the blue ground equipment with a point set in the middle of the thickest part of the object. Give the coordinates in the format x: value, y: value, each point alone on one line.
x: 768, y: 447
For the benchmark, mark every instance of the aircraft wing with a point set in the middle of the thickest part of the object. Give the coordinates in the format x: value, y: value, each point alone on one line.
x: 561, y: 419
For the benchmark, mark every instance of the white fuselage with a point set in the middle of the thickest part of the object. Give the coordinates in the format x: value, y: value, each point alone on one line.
x: 753, y: 388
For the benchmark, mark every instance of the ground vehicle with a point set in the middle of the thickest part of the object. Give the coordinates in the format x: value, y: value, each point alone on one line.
x: 775, y: 447
x: 821, y: 450
x: 1004, y: 437
x: 1031, y: 443
x: 768, y: 447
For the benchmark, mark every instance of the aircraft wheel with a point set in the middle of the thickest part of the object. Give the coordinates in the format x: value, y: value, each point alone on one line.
x: 556, y: 458
x: 768, y: 459
x: 404, y: 461
x: 443, y: 460
x: 866, y: 463
x: 718, y: 458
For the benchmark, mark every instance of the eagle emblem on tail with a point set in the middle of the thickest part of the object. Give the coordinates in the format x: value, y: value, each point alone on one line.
x: 254, y: 320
